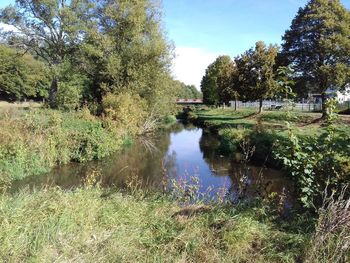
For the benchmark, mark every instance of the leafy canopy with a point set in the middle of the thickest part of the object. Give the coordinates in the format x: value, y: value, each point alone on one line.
x: 255, y: 76
x: 317, y: 45
x: 21, y: 76
x: 215, y: 82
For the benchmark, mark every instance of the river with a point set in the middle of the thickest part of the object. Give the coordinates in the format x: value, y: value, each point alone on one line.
x: 182, y: 155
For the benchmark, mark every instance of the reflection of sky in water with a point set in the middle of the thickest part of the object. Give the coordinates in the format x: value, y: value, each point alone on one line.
x: 184, y: 151
x: 189, y: 161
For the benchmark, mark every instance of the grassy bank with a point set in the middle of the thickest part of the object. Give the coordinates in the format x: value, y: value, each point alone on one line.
x: 265, y: 130
x: 33, y: 141
x: 91, y: 225
x: 307, y: 123
x: 313, y: 152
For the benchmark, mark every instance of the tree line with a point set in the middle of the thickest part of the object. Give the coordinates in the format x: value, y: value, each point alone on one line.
x: 75, y: 52
x: 314, y: 57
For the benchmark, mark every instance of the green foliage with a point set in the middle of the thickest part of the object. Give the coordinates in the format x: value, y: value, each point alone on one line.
x: 170, y: 119
x: 72, y: 87
x: 108, y: 46
x: 231, y: 138
x: 216, y: 81
x: 324, y: 62
x: 255, y: 77
x: 21, y: 76
x: 126, y: 51
x: 126, y: 110
x: 68, y: 97
x: 318, y: 163
x: 187, y: 91
x: 39, y: 140
x: 51, y: 29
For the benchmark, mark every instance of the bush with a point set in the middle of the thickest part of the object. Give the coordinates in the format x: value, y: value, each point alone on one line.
x: 125, y: 110
x: 41, y: 139
x: 68, y: 97
x: 231, y: 138
x: 317, y: 163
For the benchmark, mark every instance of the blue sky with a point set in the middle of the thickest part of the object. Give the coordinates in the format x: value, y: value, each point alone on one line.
x: 204, y: 29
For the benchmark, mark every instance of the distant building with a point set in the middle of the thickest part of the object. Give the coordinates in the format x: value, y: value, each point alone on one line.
x: 340, y: 96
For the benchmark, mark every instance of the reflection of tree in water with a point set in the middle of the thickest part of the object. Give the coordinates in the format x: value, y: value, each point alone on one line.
x: 180, y: 127
x: 143, y: 160
x: 209, y: 145
x: 246, y: 181
x: 147, y: 160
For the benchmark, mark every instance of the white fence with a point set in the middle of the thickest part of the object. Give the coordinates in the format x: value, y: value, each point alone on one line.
x: 277, y: 105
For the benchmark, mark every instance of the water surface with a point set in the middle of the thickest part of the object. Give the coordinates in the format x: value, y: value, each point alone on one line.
x: 184, y: 153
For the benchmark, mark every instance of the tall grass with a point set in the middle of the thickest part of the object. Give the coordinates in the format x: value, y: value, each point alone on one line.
x: 31, y: 142
x: 94, y: 225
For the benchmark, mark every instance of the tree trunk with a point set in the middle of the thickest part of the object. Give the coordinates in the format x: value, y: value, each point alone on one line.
x: 260, y: 106
x: 324, y: 106
x: 235, y: 104
x: 53, y: 91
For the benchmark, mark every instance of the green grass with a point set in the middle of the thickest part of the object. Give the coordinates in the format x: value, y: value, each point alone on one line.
x: 248, y: 118
x: 265, y: 130
x: 33, y: 141
x: 92, y: 225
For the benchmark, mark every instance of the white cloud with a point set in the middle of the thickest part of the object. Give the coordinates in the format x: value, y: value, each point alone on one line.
x: 190, y: 64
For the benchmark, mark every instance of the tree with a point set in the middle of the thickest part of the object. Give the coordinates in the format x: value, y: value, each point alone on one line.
x: 51, y: 29
x: 317, y: 45
x: 255, y: 78
x: 126, y: 51
x: 21, y: 76
x: 187, y: 91
x: 216, y: 81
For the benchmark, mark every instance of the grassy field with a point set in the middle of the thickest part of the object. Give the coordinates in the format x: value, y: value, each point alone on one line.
x: 229, y: 118
x: 27, y: 104
x: 93, y: 225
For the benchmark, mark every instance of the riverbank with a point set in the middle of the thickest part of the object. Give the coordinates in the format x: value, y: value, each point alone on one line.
x: 94, y: 225
x: 267, y: 130
x: 33, y: 141
x: 99, y: 223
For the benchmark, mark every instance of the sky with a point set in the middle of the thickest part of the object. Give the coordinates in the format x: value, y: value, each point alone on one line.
x: 201, y: 30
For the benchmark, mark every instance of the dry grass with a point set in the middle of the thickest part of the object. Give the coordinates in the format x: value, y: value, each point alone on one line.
x: 28, y: 104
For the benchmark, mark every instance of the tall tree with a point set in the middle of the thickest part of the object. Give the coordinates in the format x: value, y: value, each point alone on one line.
x: 317, y: 45
x: 51, y: 29
x: 127, y: 51
x: 255, y: 78
x: 216, y: 81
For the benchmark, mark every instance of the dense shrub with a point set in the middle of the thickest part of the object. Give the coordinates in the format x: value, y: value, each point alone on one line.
x: 42, y: 139
x: 125, y: 110
x: 68, y: 97
x: 318, y: 163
